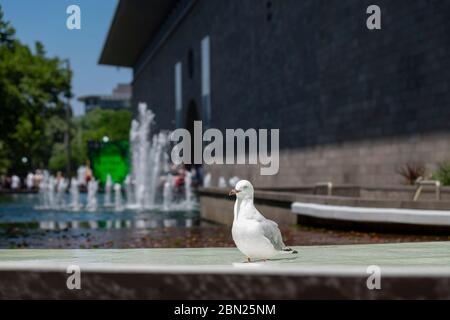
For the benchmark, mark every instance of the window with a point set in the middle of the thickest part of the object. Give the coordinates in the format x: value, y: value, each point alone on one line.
x: 191, y: 64
x: 269, y: 11
x: 206, y: 81
x: 178, y: 94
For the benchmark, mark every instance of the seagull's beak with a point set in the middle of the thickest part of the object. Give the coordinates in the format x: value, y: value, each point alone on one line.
x: 233, y: 192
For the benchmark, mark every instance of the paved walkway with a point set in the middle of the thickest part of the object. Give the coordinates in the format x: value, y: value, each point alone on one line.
x: 425, y: 258
x: 408, y: 271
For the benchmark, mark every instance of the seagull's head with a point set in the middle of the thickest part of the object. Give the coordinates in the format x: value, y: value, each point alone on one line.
x: 242, y: 189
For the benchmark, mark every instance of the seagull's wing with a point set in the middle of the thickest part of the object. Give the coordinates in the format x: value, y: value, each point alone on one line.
x: 272, y: 233
x: 270, y: 230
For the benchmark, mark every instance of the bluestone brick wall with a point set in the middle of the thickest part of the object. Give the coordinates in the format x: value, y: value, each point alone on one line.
x: 351, y: 104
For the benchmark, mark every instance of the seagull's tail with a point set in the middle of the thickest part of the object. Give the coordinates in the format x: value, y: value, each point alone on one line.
x: 289, y: 250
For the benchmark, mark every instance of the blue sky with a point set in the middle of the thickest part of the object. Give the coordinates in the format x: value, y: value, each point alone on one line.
x: 45, y: 21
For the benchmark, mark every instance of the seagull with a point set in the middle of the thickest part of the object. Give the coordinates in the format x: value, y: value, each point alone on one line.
x: 255, y: 236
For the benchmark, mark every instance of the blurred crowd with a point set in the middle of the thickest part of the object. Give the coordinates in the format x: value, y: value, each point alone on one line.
x: 30, y: 182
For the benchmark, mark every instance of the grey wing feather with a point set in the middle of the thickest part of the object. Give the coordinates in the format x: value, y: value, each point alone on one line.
x: 271, y: 232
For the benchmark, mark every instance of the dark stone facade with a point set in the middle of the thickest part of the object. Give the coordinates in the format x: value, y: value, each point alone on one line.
x: 312, y: 69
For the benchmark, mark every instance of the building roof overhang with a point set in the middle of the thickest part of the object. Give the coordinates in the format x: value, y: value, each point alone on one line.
x: 134, y: 24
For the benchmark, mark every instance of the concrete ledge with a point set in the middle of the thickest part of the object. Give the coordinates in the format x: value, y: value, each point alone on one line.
x: 338, y: 212
x: 409, y: 270
x: 381, y: 215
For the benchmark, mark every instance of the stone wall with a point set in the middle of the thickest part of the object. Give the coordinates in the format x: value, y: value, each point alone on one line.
x: 375, y: 162
x: 352, y: 105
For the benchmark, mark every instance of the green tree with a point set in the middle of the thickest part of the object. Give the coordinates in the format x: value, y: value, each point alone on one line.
x: 32, y: 90
x: 6, y: 31
x: 96, y: 124
x: 4, y: 160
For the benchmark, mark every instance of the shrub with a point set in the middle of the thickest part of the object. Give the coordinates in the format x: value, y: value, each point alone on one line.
x: 411, y: 172
x: 443, y: 174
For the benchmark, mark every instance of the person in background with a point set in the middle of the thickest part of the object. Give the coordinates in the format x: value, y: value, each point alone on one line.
x: 29, y: 181
x: 179, y: 177
x: 7, y: 182
x: 197, y: 176
x: 81, y: 176
x: 15, y: 182
x: 38, y: 176
x: 88, y: 173
x: 59, y: 176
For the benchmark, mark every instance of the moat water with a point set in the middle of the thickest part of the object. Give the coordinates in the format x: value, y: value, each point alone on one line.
x: 23, y: 225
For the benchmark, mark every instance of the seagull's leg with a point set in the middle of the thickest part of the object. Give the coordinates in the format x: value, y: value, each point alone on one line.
x: 248, y: 260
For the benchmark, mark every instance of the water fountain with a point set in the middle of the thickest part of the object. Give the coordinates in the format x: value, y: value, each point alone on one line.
x: 118, y: 197
x: 167, y: 193
x: 159, y: 141
x: 188, y: 189
x: 43, y: 195
x: 129, y: 192
x: 51, y: 192
x: 207, y: 180
x: 141, y: 172
x: 108, y: 186
x: 61, y: 187
x: 92, y: 195
x: 145, y: 186
x: 149, y: 161
x: 51, y: 200
x: 134, y: 156
x: 74, y: 195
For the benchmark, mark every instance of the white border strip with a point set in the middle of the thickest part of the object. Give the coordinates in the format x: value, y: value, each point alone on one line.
x: 237, y: 269
x: 364, y: 214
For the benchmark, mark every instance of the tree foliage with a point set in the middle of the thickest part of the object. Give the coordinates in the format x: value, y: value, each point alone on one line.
x: 95, y: 125
x: 32, y: 90
x: 443, y: 174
